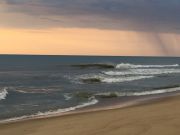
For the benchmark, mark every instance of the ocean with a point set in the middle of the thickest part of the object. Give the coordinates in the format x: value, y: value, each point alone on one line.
x: 32, y: 86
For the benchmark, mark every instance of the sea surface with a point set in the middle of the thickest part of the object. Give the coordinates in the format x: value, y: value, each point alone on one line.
x: 43, y: 85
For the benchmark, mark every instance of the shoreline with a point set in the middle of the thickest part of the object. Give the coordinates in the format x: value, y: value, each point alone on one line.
x: 116, y: 103
x: 159, y: 116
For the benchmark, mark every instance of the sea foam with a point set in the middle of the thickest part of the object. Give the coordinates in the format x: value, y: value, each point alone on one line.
x: 91, y: 78
x: 124, y: 79
x: 142, y: 72
x: 3, y: 94
x: 128, y: 65
x: 67, y: 96
x: 142, y: 93
x: 92, y: 101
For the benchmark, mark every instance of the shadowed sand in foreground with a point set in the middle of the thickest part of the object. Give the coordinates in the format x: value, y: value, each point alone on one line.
x: 160, y: 117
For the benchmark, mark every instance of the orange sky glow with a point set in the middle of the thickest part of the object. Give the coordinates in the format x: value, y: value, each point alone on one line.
x: 89, y: 27
x: 81, y: 41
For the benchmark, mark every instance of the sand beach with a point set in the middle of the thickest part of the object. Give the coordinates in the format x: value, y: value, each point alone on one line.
x: 152, y: 118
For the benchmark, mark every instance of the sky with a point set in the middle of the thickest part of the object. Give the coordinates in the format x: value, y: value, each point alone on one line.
x: 90, y: 27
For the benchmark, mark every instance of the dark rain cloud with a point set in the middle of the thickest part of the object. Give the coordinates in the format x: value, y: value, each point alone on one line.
x: 140, y: 15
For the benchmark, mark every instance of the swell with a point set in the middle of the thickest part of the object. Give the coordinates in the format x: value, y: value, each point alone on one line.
x: 95, y: 65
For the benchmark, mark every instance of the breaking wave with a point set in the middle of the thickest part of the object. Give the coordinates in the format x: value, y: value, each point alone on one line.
x: 106, y: 79
x: 142, y: 93
x: 124, y: 79
x: 143, y: 72
x: 3, y: 94
x: 128, y: 65
x: 92, y: 101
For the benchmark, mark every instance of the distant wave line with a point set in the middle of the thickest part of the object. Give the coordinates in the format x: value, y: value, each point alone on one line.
x: 142, y: 72
x: 128, y: 65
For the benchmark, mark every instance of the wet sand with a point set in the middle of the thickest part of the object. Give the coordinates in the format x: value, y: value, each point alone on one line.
x: 160, y: 117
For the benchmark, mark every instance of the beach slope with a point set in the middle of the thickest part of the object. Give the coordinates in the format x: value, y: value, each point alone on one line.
x: 156, y: 118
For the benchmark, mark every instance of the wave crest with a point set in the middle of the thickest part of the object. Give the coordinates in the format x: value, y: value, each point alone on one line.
x: 142, y: 72
x: 107, y: 79
x: 95, y: 65
x: 142, y: 93
x: 128, y: 65
x: 124, y: 79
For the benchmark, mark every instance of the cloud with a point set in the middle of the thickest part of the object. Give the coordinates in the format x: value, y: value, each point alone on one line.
x: 138, y: 15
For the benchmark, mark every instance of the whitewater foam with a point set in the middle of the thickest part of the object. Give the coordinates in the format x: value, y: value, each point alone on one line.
x: 142, y: 93
x: 128, y: 65
x: 67, y: 96
x: 92, y: 101
x: 142, y: 72
x: 108, y: 79
x: 3, y: 94
x: 124, y: 79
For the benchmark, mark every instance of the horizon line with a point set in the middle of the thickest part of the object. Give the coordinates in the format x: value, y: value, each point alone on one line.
x: 69, y: 55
